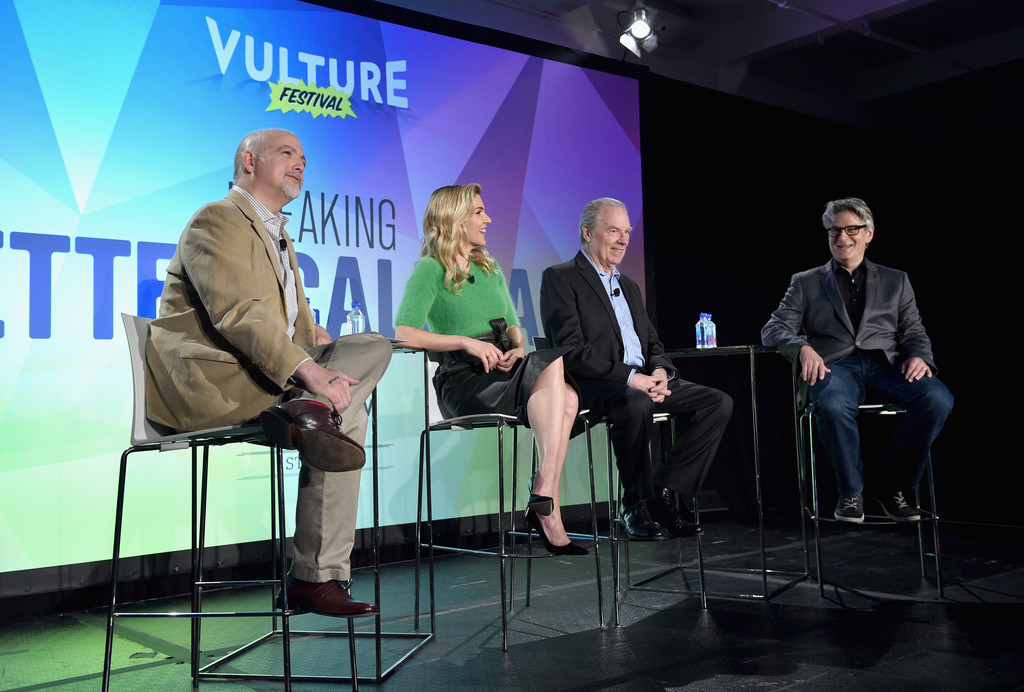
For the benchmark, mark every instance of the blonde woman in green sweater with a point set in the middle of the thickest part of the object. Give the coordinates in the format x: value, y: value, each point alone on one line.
x: 458, y: 290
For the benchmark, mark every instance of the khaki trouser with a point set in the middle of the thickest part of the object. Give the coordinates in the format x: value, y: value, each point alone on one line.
x: 325, y: 513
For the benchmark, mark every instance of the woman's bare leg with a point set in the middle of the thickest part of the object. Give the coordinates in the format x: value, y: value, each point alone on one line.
x: 552, y: 409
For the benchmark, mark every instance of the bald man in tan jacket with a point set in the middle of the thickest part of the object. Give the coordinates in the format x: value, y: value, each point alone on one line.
x: 235, y: 340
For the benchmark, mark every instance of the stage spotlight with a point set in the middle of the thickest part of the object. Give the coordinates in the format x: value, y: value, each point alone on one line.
x: 638, y: 31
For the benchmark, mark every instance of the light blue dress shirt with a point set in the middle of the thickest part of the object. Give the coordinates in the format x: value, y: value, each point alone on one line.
x: 634, y: 354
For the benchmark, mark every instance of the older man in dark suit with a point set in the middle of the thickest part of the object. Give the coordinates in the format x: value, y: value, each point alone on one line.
x: 853, y: 328
x: 623, y: 375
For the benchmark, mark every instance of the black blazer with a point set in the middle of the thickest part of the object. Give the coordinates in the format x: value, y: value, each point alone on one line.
x: 812, y: 312
x: 577, y: 311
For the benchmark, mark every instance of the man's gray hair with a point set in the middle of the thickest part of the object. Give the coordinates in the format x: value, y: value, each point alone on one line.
x: 256, y: 142
x: 851, y: 204
x: 592, y: 213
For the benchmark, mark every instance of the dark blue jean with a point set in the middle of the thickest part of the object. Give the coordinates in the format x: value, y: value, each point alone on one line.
x: 856, y: 379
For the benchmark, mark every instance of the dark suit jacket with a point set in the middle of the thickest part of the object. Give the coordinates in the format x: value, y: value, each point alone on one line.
x: 812, y: 312
x: 577, y: 311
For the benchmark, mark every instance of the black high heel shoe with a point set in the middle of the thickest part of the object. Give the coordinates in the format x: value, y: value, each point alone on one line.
x: 533, y: 520
x: 541, y: 504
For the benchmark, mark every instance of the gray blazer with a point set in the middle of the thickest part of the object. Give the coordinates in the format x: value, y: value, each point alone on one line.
x: 813, y: 313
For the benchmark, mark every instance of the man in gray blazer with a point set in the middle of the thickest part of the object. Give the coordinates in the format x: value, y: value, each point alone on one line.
x: 853, y: 329
x: 625, y: 378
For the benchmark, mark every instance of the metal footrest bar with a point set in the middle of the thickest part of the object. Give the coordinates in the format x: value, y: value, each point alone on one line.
x: 793, y: 578
x: 210, y: 672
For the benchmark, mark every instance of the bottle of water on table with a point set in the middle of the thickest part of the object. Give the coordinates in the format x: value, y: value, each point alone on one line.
x: 702, y: 333
x: 356, y: 319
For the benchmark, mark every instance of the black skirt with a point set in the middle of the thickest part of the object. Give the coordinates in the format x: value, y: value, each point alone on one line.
x: 464, y: 389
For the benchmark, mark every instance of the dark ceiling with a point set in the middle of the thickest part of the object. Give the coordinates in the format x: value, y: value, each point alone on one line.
x: 948, y: 71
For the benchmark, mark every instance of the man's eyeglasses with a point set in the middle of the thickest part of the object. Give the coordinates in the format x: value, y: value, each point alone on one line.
x: 848, y: 230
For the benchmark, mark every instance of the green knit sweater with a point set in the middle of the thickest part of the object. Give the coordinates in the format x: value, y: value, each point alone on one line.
x: 426, y: 299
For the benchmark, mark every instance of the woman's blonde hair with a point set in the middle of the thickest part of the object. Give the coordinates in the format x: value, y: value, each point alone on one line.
x: 444, y: 232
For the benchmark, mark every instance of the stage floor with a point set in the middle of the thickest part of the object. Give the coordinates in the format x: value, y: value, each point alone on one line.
x: 880, y: 625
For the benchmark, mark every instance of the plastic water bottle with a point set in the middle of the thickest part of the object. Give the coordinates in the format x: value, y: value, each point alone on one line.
x: 356, y: 319
x: 702, y: 334
x: 712, y: 332
x: 316, y: 313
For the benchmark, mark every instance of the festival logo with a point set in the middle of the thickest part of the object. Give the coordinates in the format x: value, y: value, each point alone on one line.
x: 311, y: 99
x: 363, y: 80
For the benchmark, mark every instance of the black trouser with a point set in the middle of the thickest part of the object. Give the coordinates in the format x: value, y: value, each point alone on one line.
x: 701, y: 415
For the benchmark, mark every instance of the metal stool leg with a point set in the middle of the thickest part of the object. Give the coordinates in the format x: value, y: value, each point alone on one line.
x: 932, y: 516
x: 613, y: 527
x: 529, y: 530
x: 512, y: 533
x: 198, y: 545
x: 114, y: 562
x: 700, y: 555
x: 425, y: 486
x: 279, y: 532
x: 502, y: 538
x: 801, y: 480
x: 815, y: 506
x: 593, y: 525
x: 806, y: 462
x: 352, y: 655
x: 935, y: 529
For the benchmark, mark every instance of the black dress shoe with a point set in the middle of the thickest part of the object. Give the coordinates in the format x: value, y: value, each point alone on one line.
x: 312, y: 428
x: 666, y: 512
x: 636, y: 517
x: 326, y: 598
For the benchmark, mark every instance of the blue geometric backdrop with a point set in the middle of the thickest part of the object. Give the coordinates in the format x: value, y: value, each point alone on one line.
x: 120, y: 119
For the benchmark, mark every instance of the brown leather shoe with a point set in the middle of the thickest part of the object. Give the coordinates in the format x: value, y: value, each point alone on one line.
x: 311, y: 428
x: 326, y: 598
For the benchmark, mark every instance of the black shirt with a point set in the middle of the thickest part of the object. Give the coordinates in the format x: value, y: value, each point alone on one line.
x: 851, y: 288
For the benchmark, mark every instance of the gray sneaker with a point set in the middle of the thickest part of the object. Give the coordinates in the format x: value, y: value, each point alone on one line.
x: 851, y: 509
x: 897, y: 508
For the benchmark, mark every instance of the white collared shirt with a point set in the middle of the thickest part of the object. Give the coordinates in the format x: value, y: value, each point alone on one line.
x: 274, y: 224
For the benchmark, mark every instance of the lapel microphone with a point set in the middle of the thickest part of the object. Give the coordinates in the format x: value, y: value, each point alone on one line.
x: 284, y: 244
x: 615, y: 293
x: 471, y: 279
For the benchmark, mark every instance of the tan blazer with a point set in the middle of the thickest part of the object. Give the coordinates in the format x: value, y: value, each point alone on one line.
x: 219, y: 352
